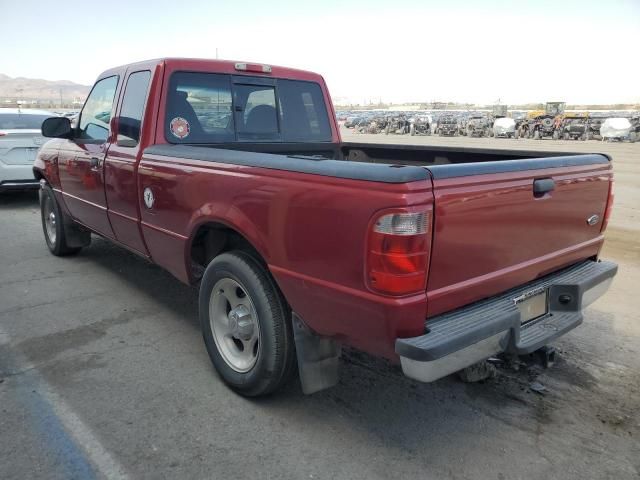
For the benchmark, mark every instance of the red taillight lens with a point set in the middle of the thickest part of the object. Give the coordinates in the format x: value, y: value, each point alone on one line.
x: 398, y: 253
x: 609, y: 207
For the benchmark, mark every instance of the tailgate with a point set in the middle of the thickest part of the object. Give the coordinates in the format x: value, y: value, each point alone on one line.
x: 493, y: 232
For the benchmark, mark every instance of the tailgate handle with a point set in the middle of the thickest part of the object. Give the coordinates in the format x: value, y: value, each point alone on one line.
x: 542, y: 186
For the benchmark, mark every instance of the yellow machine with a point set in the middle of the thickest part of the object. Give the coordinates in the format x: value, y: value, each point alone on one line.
x: 554, y: 109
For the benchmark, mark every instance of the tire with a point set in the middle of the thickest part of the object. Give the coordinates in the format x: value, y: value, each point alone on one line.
x: 256, y: 358
x: 53, y: 221
x: 633, y: 137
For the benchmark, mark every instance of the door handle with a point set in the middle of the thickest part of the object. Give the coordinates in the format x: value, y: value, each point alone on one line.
x: 542, y: 186
x: 95, y: 162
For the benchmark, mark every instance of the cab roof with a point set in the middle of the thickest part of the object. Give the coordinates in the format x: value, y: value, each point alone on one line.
x: 216, y: 66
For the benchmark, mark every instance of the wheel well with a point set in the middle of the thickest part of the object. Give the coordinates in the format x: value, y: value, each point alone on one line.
x: 212, y: 239
x: 38, y: 174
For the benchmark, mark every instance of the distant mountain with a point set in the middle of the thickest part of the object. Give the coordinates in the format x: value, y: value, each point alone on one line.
x: 35, y: 89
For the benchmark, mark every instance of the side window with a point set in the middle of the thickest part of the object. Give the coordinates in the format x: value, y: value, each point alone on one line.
x: 130, y: 120
x: 199, y: 108
x: 256, y: 113
x: 303, y: 112
x: 96, y: 113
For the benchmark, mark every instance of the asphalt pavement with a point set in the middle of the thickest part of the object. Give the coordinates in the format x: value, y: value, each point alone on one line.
x: 103, y: 374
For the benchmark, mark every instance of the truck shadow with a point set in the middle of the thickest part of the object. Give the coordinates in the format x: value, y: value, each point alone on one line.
x: 17, y: 200
x: 374, y: 399
x: 149, y: 279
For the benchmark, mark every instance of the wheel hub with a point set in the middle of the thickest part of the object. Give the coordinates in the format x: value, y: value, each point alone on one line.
x: 234, y: 324
x: 241, y: 323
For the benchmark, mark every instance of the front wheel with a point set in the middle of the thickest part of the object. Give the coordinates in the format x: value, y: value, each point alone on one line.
x: 246, y: 325
x: 53, y: 220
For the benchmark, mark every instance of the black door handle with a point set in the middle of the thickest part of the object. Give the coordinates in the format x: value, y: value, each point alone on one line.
x: 542, y: 186
x: 95, y: 162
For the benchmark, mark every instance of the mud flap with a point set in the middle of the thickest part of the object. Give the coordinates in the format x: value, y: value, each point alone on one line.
x: 318, y: 358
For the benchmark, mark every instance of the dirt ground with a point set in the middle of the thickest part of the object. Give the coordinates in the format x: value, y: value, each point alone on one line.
x: 103, y: 374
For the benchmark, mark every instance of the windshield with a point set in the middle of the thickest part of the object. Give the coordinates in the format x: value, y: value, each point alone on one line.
x: 21, y: 121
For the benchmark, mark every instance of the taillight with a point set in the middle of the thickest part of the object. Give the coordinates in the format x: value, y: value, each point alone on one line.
x: 609, y: 207
x: 398, y: 253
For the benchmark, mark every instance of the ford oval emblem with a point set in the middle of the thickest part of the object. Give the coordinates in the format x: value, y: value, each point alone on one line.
x: 593, y: 219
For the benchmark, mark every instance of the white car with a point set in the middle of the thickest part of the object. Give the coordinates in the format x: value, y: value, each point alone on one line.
x: 617, y: 129
x: 20, y: 139
x: 504, y: 127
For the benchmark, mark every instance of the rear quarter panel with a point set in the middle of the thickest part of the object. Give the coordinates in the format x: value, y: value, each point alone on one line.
x: 310, y: 229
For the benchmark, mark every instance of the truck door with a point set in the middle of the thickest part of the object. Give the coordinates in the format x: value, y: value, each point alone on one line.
x: 121, y: 165
x: 81, y: 159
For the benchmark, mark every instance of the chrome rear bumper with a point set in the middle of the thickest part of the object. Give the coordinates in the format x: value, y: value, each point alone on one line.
x: 458, y: 339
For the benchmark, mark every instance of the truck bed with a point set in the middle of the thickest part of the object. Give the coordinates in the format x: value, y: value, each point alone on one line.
x: 490, y: 232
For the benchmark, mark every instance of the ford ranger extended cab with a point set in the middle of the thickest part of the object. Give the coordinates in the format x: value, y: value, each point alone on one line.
x: 234, y: 178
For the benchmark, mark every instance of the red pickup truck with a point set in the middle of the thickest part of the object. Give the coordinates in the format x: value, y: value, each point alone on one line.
x: 233, y: 177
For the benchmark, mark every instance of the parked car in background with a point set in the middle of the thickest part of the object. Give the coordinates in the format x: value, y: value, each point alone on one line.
x: 618, y: 129
x: 447, y: 125
x: 20, y: 139
x: 478, y: 126
x: 593, y: 127
x: 573, y: 128
x: 504, y: 127
x: 351, y: 122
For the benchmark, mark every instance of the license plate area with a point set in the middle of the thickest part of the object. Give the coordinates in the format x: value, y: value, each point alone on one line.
x: 532, y: 305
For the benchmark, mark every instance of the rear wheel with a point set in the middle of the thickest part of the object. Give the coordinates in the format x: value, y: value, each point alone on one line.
x: 53, y: 220
x: 246, y: 325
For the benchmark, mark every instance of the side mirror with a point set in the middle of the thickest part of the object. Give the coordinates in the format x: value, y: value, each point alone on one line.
x: 56, y: 127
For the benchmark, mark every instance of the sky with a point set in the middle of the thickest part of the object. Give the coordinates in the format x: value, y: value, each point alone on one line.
x: 517, y: 51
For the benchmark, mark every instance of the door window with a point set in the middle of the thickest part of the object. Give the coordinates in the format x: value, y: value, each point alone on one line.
x: 96, y: 114
x: 130, y: 120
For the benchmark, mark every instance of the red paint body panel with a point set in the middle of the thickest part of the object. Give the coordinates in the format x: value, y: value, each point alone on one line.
x: 311, y: 230
x: 489, y: 233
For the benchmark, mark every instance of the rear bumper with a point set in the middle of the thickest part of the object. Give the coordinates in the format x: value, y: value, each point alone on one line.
x: 10, y: 185
x: 17, y: 177
x: 458, y: 339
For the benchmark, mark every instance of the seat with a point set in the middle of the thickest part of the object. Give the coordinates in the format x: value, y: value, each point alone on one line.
x: 262, y: 119
x: 179, y: 106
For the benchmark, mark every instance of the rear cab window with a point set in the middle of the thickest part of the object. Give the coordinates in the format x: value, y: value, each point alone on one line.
x: 206, y: 108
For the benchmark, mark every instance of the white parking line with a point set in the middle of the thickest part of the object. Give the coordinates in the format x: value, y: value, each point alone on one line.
x: 81, y: 434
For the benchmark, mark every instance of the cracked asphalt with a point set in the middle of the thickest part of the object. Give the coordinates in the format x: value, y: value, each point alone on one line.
x: 103, y: 374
